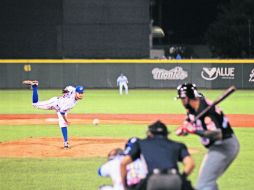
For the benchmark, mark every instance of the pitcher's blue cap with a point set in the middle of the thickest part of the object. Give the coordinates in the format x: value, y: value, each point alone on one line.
x: 80, y: 89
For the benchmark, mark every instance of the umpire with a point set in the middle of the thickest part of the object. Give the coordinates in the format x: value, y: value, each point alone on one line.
x: 161, y: 156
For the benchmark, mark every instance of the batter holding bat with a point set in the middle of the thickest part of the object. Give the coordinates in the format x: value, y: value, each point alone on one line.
x: 61, y: 104
x: 206, y: 120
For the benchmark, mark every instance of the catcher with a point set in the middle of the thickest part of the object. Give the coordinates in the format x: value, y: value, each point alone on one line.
x: 135, y: 171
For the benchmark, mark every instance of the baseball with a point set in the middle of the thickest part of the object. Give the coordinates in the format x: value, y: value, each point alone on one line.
x: 96, y: 121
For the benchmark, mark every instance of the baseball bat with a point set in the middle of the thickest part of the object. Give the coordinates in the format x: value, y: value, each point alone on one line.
x: 229, y: 91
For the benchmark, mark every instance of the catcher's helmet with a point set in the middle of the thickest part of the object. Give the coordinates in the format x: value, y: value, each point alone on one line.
x: 188, y: 90
x: 80, y: 89
x: 158, y: 128
x: 113, y: 153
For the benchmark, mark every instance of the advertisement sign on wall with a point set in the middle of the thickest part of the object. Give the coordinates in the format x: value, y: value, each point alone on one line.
x: 155, y: 75
x: 177, y: 73
x: 213, y: 73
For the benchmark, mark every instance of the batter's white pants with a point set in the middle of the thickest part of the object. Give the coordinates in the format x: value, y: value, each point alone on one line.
x: 121, y: 88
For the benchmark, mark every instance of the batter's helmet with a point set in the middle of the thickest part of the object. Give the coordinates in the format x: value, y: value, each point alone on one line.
x: 80, y: 89
x: 158, y: 128
x: 188, y: 90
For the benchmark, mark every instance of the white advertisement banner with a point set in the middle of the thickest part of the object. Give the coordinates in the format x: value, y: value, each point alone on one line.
x: 176, y: 73
x: 218, y: 72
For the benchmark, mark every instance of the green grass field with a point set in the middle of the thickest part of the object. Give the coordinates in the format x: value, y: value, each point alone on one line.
x: 81, y: 174
x: 138, y: 101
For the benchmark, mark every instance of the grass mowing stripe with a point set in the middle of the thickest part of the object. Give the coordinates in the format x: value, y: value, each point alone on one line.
x: 138, y: 101
x: 53, y: 174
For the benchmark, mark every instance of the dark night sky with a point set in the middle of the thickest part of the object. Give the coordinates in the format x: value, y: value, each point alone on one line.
x: 185, y: 21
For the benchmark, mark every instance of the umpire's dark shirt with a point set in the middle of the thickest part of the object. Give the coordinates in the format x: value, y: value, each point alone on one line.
x: 159, y: 152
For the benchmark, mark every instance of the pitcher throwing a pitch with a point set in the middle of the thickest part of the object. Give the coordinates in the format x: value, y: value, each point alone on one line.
x: 61, y: 104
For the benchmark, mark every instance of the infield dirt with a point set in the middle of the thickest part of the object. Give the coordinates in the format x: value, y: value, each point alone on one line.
x: 236, y: 120
x: 86, y: 147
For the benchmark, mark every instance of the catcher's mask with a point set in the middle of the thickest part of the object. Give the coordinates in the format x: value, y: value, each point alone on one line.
x: 113, y: 153
x: 187, y: 90
x: 158, y: 128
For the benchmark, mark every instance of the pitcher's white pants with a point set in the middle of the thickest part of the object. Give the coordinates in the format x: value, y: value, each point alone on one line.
x: 51, y: 104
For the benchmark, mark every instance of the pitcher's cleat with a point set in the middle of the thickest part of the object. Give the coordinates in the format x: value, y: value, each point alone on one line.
x: 31, y: 82
x: 66, y: 145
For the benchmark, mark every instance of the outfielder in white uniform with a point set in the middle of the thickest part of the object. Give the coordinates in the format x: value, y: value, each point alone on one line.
x: 60, y: 104
x: 122, y: 81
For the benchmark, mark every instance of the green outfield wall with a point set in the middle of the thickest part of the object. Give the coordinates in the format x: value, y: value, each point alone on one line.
x: 142, y: 73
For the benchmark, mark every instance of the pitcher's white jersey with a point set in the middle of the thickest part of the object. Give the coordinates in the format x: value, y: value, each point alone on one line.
x: 66, y: 102
x: 61, y: 104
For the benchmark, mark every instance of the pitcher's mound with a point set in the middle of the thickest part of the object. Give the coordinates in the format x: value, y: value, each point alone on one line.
x: 53, y: 147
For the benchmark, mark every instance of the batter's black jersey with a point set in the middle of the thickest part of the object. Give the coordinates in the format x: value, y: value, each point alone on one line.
x: 217, y: 116
x: 159, y: 152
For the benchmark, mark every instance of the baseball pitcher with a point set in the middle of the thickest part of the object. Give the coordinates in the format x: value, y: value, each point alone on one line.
x: 61, y: 104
